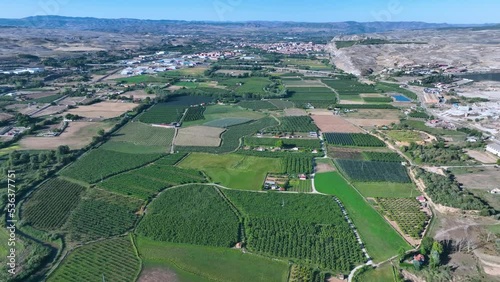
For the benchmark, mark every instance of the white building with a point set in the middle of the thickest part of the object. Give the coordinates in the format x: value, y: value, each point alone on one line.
x: 493, y: 148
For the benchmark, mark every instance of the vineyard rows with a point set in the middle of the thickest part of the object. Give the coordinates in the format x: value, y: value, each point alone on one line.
x: 231, y: 138
x: 144, y: 182
x: 51, y: 204
x: 193, y: 215
x: 382, y: 157
x: 407, y: 213
x: 295, y: 124
x: 307, y: 228
x: 194, y: 113
x: 163, y: 113
x: 101, y: 163
x: 257, y: 105
x: 271, y: 142
x: 371, y: 171
x: 102, y: 214
x: 353, y: 139
x: 113, y: 259
x: 297, y: 165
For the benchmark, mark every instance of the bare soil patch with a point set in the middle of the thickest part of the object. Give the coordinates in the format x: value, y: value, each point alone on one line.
x: 343, y: 101
x: 320, y: 112
x: 52, y: 110
x: 138, y: 94
x: 37, y: 95
x: 5, y: 116
x: 103, y: 110
x: 332, y: 123
x: 371, y: 95
x: 484, y: 157
x: 294, y: 112
x: 374, y: 114
x: 158, y: 274
x: 323, y: 167
x: 77, y: 135
x: 484, y: 178
x: 72, y: 101
x: 372, y: 122
x: 199, y: 136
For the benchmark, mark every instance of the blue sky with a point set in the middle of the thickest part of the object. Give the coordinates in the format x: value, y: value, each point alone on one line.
x: 437, y: 11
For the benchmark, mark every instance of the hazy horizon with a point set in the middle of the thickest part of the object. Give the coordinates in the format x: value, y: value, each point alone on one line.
x: 314, y: 11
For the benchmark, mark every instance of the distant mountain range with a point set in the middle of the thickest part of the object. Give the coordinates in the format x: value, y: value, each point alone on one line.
x: 175, y: 26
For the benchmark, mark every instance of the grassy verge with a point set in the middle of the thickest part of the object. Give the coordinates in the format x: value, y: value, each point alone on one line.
x: 381, y: 240
x: 197, y: 263
x: 386, y: 189
x: 233, y: 171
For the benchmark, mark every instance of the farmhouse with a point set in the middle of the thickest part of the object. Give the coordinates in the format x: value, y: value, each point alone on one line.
x: 421, y: 199
x: 493, y: 148
x: 302, y: 177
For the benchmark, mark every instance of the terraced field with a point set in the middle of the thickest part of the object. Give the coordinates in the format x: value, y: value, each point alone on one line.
x: 109, y: 260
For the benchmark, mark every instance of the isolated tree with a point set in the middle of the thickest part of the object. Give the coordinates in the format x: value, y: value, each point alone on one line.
x: 279, y: 143
x: 402, y: 254
x: 437, y: 250
x: 426, y: 245
x: 101, y: 132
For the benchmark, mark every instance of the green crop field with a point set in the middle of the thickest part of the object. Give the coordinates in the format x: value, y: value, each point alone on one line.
x: 271, y: 142
x: 257, y: 105
x: 58, y: 196
x: 233, y: 171
x: 306, y: 94
x: 190, y: 263
x: 404, y: 135
x: 146, y: 181
x: 218, y: 113
x: 394, y: 88
x: 143, y: 79
x: 293, y: 165
x: 387, y: 189
x: 371, y: 171
x: 109, y: 260
x: 48, y: 99
x: 302, y: 186
x: 407, y: 213
x: 227, y: 122
x: 383, y: 273
x: 232, y: 136
x: 140, y: 138
x: 102, y: 214
x: 377, y: 99
x: 252, y: 85
x: 192, y: 214
x: 194, y: 113
x: 311, y: 64
x: 349, y: 86
x: 353, y: 139
x: 163, y: 113
x: 186, y: 84
x: 420, y: 125
x: 380, y: 239
x: 295, y: 124
x: 302, y: 227
x: 383, y: 157
x: 100, y: 163
x: 282, y: 104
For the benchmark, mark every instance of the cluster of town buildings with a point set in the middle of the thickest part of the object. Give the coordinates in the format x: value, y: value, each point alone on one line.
x: 428, y: 69
x: 24, y: 71
x: 289, y: 48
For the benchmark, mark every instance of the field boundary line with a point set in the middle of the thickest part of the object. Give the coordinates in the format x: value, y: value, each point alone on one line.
x: 368, y: 203
x: 128, y: 170
x: 136, y: 251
